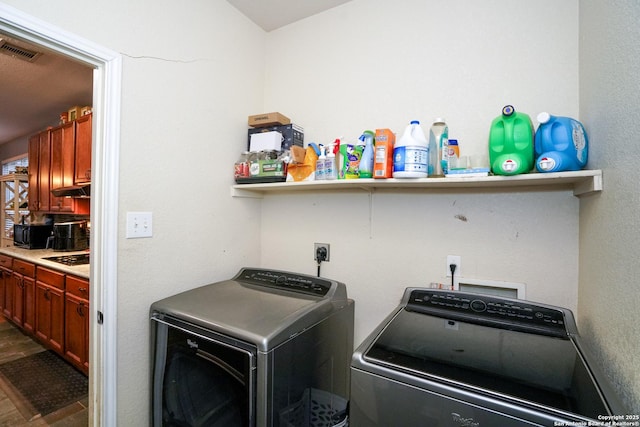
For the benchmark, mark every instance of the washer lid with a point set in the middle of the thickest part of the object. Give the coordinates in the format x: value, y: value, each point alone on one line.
x: 261, y: 307
x: 541, y: 369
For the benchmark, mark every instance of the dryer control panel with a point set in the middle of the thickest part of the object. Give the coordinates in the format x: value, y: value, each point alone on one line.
x: 287, y: 281
x: 479, y: 308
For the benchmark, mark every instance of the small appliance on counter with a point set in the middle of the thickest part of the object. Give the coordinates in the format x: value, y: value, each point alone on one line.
x: 70, y: 236
x: 31, y: 236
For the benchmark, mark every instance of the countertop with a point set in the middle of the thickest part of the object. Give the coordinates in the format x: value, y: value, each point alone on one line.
x: 36, y: 256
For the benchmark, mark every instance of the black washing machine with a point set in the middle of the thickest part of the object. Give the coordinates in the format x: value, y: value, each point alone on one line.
x: 445, y: 358
x: 265, y: 348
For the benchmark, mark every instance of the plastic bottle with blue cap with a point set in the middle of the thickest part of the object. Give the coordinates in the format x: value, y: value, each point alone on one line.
x: 320, y: 166
x: 411, y: 153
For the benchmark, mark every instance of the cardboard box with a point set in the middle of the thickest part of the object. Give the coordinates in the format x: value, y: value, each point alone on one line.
x: 292, y: 135
x: 268, y: 119
x: 265, y: 141
x: 268, y: 168
x: 74, y: 113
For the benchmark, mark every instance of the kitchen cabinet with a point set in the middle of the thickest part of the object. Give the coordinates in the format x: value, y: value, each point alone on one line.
x: 77, y: 322
x: 60, y: 157
x: 62, y: 165
x: 39, y: 171
x: 23, y: 286
x: 83, y: 149
x: 49, y: 308
x: 14, y: 195
x: 6, y: 294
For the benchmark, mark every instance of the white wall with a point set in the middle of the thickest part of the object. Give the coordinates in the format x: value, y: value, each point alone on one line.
x: 371, y: 64
x: 189, y: 81
x: 609, y: 224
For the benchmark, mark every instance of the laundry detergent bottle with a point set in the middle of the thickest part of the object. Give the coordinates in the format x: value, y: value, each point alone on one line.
x: 561, y: 144
x: 511, y: 143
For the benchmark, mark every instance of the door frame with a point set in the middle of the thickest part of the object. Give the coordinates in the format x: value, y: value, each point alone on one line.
x: 107, y: 76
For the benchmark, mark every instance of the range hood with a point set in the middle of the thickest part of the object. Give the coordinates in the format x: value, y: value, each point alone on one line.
x: 80, y: 190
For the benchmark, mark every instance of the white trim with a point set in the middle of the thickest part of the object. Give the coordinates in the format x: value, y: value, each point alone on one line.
x: 104, y: 200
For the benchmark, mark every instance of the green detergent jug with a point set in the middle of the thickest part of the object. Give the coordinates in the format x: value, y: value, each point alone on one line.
x: 511, y: 143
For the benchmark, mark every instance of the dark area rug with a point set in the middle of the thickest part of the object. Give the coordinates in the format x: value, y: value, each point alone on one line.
x: 46, y: 381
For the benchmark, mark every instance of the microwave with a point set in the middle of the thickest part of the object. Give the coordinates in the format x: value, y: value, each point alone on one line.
x: 31, y: 236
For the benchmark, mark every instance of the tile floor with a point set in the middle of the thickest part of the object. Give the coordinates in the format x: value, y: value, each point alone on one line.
x: 13, y: 345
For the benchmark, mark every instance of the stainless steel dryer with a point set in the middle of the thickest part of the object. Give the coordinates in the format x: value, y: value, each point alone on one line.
x: 266, y: 348
x: 447, y: 358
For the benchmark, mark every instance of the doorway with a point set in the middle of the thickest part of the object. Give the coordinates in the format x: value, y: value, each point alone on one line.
x: 104, y: 201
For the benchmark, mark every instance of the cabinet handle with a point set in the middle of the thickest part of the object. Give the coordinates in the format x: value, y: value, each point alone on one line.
x: 47, y: 296
x: 20, y: 283
x: 79, y: 309
x: 82, y: 289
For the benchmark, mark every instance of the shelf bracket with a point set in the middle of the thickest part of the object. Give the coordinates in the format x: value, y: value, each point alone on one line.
x: 246, y: 194
x: 588, y: 186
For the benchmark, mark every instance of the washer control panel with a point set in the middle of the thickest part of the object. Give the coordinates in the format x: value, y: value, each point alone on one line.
x: 486, y: 307
x: 284, y: 280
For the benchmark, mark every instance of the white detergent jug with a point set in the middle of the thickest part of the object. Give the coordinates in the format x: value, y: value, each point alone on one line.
x: 411, y: 153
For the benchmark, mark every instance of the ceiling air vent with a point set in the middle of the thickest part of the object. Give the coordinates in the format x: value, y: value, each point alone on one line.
x: 18, y: 52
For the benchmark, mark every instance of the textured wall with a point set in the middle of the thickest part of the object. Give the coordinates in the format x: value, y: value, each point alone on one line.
x: 609, y: 297
x: 374, y: 63
x: 189, y: 81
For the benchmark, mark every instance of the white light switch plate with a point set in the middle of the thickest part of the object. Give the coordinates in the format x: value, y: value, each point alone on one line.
x: 139, y: 224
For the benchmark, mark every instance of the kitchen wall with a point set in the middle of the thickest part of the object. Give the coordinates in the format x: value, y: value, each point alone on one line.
x: 609, y: 224
x: 192, y: 73
x: 370, y: 64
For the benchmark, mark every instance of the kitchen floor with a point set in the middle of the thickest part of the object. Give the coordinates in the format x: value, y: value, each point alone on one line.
x: 14, y: 345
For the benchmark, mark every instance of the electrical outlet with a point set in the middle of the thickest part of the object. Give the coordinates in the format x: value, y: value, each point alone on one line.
x: 457, y: 260
x: 317, y: 246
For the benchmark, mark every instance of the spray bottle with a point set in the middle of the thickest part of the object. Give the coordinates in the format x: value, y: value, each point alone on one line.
x: 366, y: 162
x: 320, y: 166
x: 330, y: 167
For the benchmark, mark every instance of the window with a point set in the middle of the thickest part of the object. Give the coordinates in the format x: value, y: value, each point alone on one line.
x: 9, y: 214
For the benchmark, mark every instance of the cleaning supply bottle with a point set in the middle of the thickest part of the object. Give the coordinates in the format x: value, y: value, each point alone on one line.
x: 366, y: 162
x: 511, y: 143
x: 561, y: 144
x: 438, y: 147
x: 411, y: 153
x: 383, y: 159
x: 351, y: 155
x: 330, y: 171
x: 320, y: 167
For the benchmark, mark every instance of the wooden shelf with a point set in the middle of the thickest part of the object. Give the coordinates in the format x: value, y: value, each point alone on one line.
x: 582, y: 183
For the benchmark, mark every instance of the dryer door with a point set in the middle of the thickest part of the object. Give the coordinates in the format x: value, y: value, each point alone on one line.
x: 201, y: 378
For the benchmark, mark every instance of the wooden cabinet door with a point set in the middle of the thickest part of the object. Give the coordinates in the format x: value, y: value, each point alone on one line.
x: 62, y: 165
x: 17, y: 284
x: 6, y: 292
x: 49, y: 326
x: 44, y: 165
x: 83, y: 149
x: 34, y: 157
x: 29, y: 318
x: 76, y: 340
x: 23, y: 287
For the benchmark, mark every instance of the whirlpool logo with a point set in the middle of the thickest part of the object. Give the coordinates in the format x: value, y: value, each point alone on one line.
x: 464, y: 422
x: 191, y: 343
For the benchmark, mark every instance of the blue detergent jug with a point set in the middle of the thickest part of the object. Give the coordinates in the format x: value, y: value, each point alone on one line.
x: 561, y: 144
x: 511, y: 143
